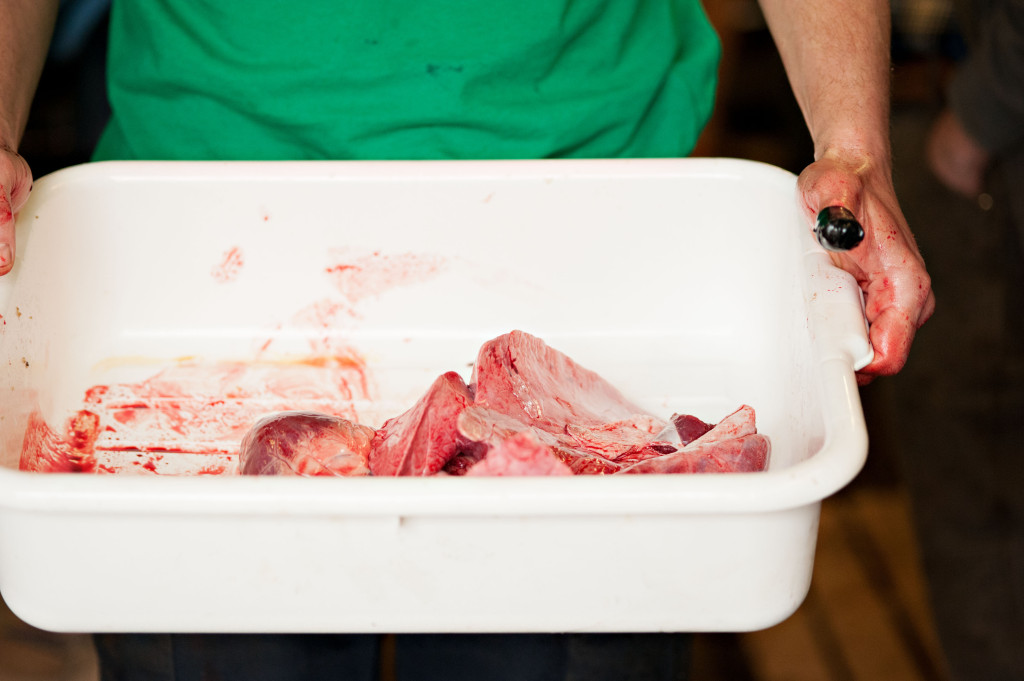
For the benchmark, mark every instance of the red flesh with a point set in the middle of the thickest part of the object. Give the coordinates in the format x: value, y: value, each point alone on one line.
x: 521, y: 454
x: 423, y: 439
x: 306, y: 443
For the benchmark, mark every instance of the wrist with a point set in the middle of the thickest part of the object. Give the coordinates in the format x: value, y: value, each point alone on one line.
x: 858, y: 154
x: 855, y: 129
x: 7, y: 146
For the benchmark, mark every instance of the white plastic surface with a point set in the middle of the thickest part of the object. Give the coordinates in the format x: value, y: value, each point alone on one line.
x: 650, y: 272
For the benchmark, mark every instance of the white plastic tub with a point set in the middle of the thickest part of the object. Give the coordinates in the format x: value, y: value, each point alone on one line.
x: 692, y: 285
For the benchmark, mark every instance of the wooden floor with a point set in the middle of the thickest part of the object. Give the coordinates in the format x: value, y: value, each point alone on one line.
x: 28, y: 654
x: 866, y: 617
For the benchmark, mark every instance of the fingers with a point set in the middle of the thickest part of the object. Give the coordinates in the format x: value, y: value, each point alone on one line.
x: 6, y: 232
x: 892, y: 334
x: 15, y: 185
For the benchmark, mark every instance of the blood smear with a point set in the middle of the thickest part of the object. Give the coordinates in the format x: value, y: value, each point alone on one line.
x: 369, y: 274
x: 190, y: 417
x: 229, y: 267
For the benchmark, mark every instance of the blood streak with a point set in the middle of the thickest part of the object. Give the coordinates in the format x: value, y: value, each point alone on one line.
x: 193, y: 414
x: 43, y: 450
x: 82, y: 430
x: 229, y: 267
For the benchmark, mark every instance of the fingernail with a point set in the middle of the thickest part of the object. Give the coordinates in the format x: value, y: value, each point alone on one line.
x: 6, y: 258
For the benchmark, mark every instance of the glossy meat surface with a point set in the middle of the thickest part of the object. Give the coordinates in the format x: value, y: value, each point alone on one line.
x: 531, y: 410
x: 520, y: 454
x: 522, y: 376
x: 307, y: 444
x: 423, y: 439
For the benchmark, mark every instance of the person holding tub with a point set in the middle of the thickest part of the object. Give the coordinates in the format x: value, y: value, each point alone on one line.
x: 449, y: 79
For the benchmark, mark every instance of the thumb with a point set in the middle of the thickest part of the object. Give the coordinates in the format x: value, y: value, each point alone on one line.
x: 826, y: 185
x: 6, y: 231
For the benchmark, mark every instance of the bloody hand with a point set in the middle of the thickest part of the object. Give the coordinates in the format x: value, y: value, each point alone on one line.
x: 15, y: 184
x: 886, y: 264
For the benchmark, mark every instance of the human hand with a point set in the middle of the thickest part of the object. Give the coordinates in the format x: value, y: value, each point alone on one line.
x: 886, y: 264
x: 954, y: 157
x: 15, y: 185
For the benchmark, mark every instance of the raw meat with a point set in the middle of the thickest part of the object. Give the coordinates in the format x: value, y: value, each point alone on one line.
x: 531, y: 410
x: 423, y: 439
x: 737, y: 424
x: 742, y: 454
x: 648, y: 450
x: 689, y: 428
x: 521, y: 454
x: 479, y: 425
x: 307, y: 444
x: 611, y: 440
x: 518, y: 374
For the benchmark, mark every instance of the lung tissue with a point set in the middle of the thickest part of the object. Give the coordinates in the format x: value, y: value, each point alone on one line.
x: 528, y: 410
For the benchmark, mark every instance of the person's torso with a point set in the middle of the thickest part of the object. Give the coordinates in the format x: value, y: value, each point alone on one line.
x: 407, y: 79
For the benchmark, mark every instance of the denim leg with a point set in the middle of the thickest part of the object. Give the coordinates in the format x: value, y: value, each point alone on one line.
x: 237, y: 657
x: 542, y: 657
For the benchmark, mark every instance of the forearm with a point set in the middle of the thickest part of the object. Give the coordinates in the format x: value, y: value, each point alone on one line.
x: 836, y: 55
x: 25, y: 30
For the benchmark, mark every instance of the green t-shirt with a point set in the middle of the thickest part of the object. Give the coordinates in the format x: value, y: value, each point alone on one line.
x: 407, y: 79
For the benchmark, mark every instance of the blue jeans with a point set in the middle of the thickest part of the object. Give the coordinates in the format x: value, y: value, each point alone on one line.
x: 417, y: 657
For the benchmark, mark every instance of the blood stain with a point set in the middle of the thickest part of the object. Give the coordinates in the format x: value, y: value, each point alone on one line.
x: 229, y: 267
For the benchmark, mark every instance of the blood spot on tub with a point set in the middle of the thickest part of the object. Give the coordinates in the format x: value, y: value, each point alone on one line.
x: 96, y: 393
x: 17, y: 311
x: 334, y: 269
x: 321, y: 320
x: 124, y: 416
x: 229, y: 267
x: 360, y: 276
